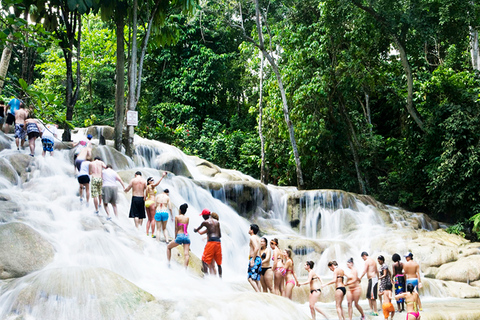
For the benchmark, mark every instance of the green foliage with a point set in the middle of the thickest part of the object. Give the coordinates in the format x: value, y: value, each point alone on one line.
x: 476, y: 224
x: 457, y: 229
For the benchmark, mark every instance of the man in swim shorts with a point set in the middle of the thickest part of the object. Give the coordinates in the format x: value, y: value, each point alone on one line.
x: 109, y: 189
x: 48, y: 138
x: 372, y: 275
x: 255, y: 262
x: 20, y: 117
x: 412, y: 274
x: 95, y: 171
x: 213, y: 249
x: 137, y: 208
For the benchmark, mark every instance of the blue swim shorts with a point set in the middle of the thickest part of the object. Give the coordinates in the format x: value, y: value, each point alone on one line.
x: 182, y: 238
x: 48, y: 144
x: 161, y: 216
x: 255, y: 271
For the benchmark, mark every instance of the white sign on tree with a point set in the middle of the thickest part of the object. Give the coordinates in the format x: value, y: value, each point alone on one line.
x: 132, y: 118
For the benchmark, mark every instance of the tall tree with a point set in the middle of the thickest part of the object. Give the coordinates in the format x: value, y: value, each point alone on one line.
x: 260, y: 44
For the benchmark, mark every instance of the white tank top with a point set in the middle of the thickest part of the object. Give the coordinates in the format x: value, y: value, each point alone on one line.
x: 84, y: 168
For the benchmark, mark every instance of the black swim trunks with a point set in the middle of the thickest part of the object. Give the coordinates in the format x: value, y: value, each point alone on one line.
x: 369, y: 289
x: 137, y: 208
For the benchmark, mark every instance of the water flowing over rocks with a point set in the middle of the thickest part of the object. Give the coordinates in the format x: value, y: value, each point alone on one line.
x: 5, y: 141
x: 104, y: 269
x: 22, y: 250
x: 76, y: 293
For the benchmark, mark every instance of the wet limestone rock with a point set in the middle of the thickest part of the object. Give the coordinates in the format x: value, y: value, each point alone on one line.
x: 8, y: 209
x: 246, y: 196
x: 194, y: 263
x: 170, y: 162
x: 205, y: 167
x: 5, y: 141
x: 7, y: 171
x: 110, y: 155
x: 77, y: 293
x: 97, y: 132
x: 22, y: 250
x: 465, y: 270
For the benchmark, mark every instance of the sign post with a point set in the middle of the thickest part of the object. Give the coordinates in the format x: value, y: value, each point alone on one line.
x: 132, y: 118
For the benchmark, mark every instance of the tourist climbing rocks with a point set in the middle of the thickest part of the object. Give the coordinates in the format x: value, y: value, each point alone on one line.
x: 84, y: 180
x: 315, y: 284
x: 340, y: 290
x: 181, y: 235
x: 163, y: 208
x: 255, y: 261
x: 150, y: 204
x: 354, y: 290
x: 33, y: 132
x: 412, y: 273
x: 399, y: 280
x: 49, y: 134
x: 213, y: 248
x: 12, y: 106
x: 20, y: 117
x: 137, y: 208
x: 110, y: 189
x: 95, y: 171
x: 372, y: 275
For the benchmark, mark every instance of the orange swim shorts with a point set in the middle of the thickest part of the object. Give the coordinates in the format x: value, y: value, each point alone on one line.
x: 213, y: 251
x: 387, y: 308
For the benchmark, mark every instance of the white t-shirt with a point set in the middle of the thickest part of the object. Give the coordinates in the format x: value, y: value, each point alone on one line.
x: 49, y: 132
x: 109, y: 177
x: 84, y: 168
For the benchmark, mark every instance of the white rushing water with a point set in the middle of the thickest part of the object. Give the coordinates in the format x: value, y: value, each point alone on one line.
x: 85, y: 244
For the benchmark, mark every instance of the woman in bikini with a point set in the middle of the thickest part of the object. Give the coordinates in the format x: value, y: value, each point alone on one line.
x: 315, y: 291
x: 412, y: 300
x: 290, y: 276
x: 340, y: 290
x: 354, y: 290
x: 279, y: 270
x: 266, y: 274
x: 181, y: 235
x: 150, y: 193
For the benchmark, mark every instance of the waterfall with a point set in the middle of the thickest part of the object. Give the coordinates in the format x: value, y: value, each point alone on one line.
x: 91, y: 253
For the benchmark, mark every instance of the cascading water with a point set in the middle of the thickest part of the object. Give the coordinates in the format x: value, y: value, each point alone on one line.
x: 95, y: 259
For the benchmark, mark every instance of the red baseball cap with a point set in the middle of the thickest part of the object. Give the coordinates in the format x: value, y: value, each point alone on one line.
x: 205, y: 212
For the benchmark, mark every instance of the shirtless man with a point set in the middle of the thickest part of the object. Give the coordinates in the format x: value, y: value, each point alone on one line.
x: 255, y: 263
x: 95, y: 172
x: 137, y: 208
x: 20, y: 117
x: 412, y: 274
x: 372, y: 275
x: 162, y: 204
x: 213, y: 249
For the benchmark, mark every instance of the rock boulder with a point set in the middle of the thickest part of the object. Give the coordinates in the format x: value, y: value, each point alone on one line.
x: 22, y: 250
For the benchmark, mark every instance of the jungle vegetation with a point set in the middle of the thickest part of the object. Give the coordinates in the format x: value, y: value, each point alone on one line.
x: 377, y: 97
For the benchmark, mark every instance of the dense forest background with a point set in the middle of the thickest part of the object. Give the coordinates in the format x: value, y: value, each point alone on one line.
x: 382, y: 96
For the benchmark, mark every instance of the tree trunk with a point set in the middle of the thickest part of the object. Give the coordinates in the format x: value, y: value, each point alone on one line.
x: 6, y: 55
x: 120, y: 81
x: 291, y: 131
x: 132, y: 80
x: 474, y: 51
x: 408, y: 72
x: 263, y: 177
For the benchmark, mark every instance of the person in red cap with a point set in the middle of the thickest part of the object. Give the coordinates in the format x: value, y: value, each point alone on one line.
x: 213, y: 249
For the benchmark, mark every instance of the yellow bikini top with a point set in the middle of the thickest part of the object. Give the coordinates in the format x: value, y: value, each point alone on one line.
x: 154, y: 193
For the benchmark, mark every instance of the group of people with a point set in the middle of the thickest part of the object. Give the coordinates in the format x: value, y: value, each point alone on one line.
x: 273, y: 270
x: 26, y: 126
